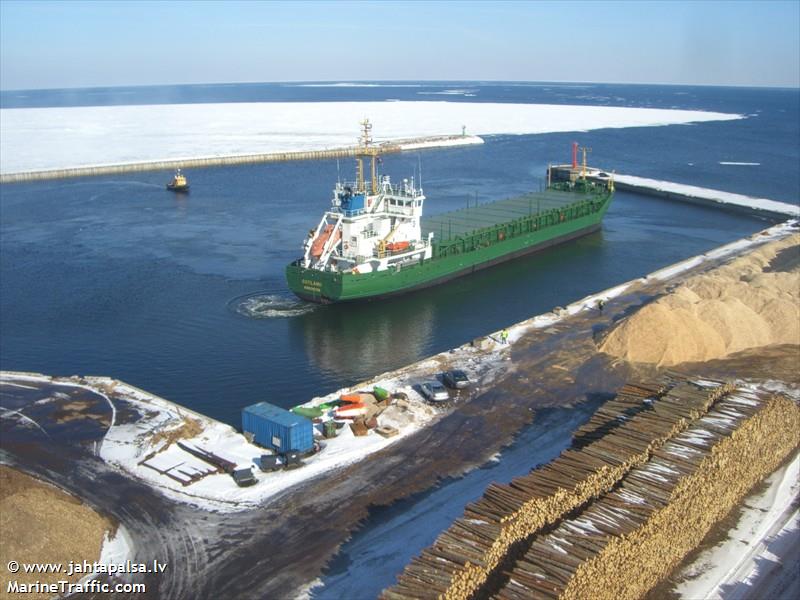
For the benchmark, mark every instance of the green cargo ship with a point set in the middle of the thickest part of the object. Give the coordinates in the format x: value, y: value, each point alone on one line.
x: 373, y: 242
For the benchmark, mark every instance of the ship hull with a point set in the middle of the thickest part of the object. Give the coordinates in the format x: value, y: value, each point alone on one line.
x: 329, y: 287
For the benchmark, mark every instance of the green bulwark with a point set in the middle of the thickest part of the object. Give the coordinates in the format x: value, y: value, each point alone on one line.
x: 470, y: 239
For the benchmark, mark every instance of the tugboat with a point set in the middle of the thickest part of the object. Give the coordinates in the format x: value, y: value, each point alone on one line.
x: 178, y: 183
x: 373, y: 242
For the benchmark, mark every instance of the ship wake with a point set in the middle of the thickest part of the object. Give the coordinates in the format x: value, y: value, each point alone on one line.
x: 261, y: 305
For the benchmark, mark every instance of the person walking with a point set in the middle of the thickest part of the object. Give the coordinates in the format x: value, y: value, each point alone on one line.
x: 504, y: 336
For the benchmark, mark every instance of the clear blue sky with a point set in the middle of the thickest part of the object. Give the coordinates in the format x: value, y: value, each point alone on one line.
x: 79, y: 44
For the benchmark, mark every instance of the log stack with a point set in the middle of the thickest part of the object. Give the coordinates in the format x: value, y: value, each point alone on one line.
x: 630, y: 538
x: 622, y: 435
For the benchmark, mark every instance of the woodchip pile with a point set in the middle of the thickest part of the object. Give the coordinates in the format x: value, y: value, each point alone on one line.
x: 617, y: 476
x: 745, y: 304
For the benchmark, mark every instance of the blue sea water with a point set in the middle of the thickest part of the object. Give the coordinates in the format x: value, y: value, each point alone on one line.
x: 185, y: 295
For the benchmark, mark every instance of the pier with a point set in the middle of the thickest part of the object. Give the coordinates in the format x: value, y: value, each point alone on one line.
x: 391, y: 147
x: 677, y: 191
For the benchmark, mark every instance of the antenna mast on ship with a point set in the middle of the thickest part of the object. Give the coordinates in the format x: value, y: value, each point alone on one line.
x: 366, y: 150
x: 584, y: 149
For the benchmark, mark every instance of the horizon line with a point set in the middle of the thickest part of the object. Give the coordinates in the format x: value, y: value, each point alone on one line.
x: 379, y: 81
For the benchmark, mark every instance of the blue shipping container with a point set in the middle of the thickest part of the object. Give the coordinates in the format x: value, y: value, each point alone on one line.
x: 276, y: 428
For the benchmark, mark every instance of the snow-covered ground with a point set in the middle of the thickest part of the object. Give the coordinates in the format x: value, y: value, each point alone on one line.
x: 127, y: 446
x: 54, y: 138
x: 734, y: 563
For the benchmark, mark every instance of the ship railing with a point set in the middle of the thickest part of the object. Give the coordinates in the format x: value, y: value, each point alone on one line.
x: 493, y: 234
x: 407, y: 211
x: 401, y: 191
x: 415, y: 247
x: 349, y: 213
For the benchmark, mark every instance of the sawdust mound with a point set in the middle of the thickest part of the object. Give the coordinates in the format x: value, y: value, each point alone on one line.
x: 188, y: 429
x: 734, y: 307
x: 41, y: 524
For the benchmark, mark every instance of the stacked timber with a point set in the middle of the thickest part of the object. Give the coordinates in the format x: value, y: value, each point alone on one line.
x: 626, y: 541
x: 463, y: 557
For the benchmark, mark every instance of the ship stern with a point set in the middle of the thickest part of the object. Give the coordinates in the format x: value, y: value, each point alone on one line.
x: 313, y: 285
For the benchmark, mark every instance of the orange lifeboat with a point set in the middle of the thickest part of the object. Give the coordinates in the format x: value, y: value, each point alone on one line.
x: 350, y: 411
x: 322, y: 238
x: 397, y: 246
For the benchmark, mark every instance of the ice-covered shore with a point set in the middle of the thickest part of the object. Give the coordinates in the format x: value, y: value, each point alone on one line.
x: 55, y: 138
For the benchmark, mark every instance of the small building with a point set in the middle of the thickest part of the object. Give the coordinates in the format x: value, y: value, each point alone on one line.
x: 276, y: 428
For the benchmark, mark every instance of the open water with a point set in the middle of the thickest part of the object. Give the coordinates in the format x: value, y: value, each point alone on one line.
x: 185, y: 295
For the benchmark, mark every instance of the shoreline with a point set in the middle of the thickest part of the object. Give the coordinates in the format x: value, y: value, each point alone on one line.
x: 485, y: 359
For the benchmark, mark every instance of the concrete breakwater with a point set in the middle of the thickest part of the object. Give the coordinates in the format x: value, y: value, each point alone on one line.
x: 680, y: 192
x: 660, y: 452
x: 391, y: 147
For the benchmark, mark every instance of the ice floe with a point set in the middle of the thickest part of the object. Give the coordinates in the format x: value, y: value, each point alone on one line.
x: 64, y: 137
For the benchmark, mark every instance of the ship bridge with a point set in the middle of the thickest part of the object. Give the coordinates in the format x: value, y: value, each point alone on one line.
x: 403, y: 199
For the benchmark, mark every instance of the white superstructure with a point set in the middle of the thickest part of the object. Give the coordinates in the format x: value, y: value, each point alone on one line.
x: 369, y: 228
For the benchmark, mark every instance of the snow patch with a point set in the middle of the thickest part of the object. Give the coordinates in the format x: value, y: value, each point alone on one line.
x: 733, y: 562
x: 713, y: 195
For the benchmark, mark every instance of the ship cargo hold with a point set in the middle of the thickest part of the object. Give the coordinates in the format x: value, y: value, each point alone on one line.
x: 273, y: 427
x: 374, y: 243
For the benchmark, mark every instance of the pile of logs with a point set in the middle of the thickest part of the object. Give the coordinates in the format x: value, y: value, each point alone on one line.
x: 623, y: 435
x: 627, y: 540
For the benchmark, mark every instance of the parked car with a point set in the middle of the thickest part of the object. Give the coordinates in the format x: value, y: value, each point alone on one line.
x: 455, y: 379
x: 244, y: 477
x: 434, y: 391
x: 269, y: 462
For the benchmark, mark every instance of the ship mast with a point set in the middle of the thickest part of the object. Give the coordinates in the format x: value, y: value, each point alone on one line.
x: 584, y: 149
x: 366, y: 150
